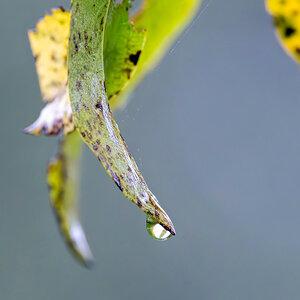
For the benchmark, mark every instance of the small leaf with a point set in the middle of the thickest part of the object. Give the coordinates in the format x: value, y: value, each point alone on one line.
x: 49, y: 44
x: 63, y: 182
x: 286, y: 16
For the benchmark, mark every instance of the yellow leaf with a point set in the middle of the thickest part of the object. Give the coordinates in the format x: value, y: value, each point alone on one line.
x: 286, y: 16
x: 49, y: 44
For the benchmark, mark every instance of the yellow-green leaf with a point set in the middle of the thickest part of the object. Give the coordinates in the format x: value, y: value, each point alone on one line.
x: 163, y: 21
x: 63, y: 183
x: 92, y: 115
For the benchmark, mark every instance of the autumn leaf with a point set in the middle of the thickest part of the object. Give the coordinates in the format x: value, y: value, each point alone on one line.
x: 286, y: 17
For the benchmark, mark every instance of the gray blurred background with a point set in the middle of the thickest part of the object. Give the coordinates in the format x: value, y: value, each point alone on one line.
x: 215, y: 130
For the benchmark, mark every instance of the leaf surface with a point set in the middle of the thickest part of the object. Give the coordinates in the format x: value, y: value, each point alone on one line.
x: 286, y: 17
x: 63, y: 183
x: 163, y: 21
x: 92, y: 115
x: 49, y: 45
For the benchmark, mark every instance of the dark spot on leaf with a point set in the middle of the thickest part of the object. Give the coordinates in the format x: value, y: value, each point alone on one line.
x: 78, y: 85
x: 289, y: 31
x: 108, y: 149
x: 117, y: 181
x: 135, y: 57
x: 128, y: 72
x: 85, y: 40
x: 99, y: 106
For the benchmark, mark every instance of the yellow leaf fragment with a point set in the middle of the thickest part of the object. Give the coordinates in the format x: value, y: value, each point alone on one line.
x: 286, y: 16
x: 49, y: 44
x: 62, y: 178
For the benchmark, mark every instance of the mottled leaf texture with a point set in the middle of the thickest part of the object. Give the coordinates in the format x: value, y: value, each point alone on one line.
x: 92, y: 115
x: 49, y: 44
x: 286, y: 16
x: 63, y: 183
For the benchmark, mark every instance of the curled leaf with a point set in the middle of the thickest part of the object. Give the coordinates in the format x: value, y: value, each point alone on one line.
x: 63, y: 182
x: 91, y: 111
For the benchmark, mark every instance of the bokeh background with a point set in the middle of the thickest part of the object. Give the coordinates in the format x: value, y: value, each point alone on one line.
x: 215, y: 131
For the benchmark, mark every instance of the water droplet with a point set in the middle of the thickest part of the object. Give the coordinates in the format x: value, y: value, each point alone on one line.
x: 156, y: 230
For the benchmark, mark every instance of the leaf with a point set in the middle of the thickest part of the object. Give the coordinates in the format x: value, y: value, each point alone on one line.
x: 286, y: 16
x: 63, y: 182
x: 49, y: 42
x: 91, y: 111
x: 58, y: 114
x: 163, y: 21
x: 49, y: 45
x: 122, y: 48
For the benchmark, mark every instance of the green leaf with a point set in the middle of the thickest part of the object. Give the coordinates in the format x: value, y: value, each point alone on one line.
x: 123, y: 45
x: 91, y: 111
x: 163, y: 20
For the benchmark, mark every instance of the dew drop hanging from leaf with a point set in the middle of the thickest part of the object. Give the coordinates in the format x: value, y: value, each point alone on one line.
x: 156, y: 230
